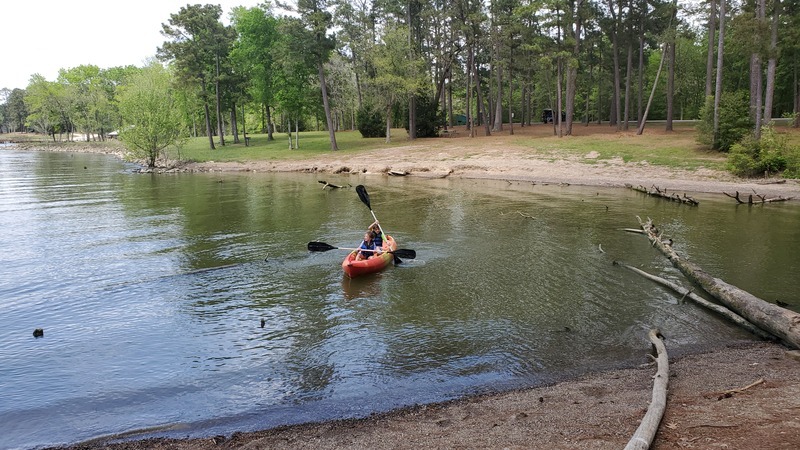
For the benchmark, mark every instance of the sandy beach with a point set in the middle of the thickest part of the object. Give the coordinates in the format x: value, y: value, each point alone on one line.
x: 745, y: 396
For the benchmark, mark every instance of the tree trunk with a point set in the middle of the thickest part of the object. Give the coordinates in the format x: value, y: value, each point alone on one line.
x: 628, y: 75
x: 511, y: 96
x: 671, y: 86
x: 771, y: 65
x: 450, y: 96
x: 710, y: 58
x: 218, y: 96
x: 572, y: 69
x: 616, y: 104
x: 234, y: 125
x: 498, y: 111
x: 557, y: 109
x: 389, y: 123
x: 783, y: 323
x: 327, y: 106
x: 718, y: 84
x: 640, y: 90
x: 244, y: 126
x: 270, y: 137
x: 481, y: 105
x: 470, y: 124
x: 207, y: 111
x: 653, y: 91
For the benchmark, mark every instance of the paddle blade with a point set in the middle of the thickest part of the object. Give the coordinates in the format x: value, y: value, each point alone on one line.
x: 405, y: 253
x: 320, y: 247
x: 363, y: 195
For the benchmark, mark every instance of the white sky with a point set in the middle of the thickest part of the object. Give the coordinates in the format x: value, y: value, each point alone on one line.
x: 44, y: 36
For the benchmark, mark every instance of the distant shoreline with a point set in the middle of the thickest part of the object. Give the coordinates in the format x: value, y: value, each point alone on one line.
x: 495, y: 159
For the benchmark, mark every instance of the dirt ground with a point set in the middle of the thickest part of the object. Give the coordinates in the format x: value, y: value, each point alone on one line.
x: 504, y: 157
x: 598, y: 411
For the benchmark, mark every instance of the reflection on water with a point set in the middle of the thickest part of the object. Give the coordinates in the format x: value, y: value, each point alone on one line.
x: 152, y: 291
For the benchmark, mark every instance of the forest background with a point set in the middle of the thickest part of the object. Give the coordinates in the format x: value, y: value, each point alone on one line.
x: 428, y: 66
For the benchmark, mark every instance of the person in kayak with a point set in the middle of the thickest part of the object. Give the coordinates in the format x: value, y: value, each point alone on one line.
x: 377, y: 239
x: 367, y: 247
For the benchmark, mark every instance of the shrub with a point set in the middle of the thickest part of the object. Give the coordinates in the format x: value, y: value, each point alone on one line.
x: 371, y: 123
x: 770, y: 154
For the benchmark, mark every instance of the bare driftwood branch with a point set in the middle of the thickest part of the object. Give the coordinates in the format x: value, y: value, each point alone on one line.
x: 721, y: 310
x: 781, y: 322
x: 761, y: 198
x: 644, y: 435
x: 730, y: 392
x: 330, y: 185
x: 658, y: 192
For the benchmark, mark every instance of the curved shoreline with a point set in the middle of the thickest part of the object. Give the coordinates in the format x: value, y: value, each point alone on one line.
x: 598, y: 411
x: 491, y: 159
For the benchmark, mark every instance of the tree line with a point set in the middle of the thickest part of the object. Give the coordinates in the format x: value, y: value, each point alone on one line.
x: 492, y: 65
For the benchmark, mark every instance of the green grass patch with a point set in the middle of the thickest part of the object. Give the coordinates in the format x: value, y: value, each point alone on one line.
x: 311, y: 145
x: 677, y: 150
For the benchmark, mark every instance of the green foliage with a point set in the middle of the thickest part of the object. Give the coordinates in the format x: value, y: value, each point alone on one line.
x: 769, y: 155
x: 429, y: 118
x: 371, y: 123
x: 152, y: 122
x: 734, y: 121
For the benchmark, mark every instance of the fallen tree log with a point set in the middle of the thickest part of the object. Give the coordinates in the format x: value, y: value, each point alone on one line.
x: 781, y: 322
x: 330, y: 185
x: 719, y: 309
x: 761, y: 198
x: 646, y: 432
x: 658, y: 192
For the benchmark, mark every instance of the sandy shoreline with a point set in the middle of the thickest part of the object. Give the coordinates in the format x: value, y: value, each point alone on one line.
x: 598, y: 411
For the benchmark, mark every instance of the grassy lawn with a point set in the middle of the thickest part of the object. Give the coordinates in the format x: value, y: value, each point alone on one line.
x: 312, y: 143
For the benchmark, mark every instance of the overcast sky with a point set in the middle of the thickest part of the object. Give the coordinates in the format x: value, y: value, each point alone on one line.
x: 43, y: 36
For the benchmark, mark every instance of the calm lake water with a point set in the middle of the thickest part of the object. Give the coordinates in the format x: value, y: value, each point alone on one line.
x: 510, y: 289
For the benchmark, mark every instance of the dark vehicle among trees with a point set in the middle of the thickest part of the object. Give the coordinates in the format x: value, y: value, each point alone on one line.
x: 547, y: 116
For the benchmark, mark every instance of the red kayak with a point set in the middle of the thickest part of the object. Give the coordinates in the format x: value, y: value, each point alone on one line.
x: 353, y: 268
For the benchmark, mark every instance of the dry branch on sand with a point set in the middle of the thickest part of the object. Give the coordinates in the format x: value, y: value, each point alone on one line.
x: 646, y: 432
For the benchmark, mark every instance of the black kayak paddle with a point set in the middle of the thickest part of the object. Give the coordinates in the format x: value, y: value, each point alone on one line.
x: 323, y: 247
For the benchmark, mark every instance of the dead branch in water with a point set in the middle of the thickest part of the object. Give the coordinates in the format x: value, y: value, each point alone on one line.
x: 330, y: 185
x: 662, y: 193
x: 761, y: 198
x: 719, y: 309
x: 783, y: 323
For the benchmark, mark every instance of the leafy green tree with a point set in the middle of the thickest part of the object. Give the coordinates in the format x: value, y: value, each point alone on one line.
x: 254, y: 53
x: 91, y: 95
x: 4, y: 94
x: 397, y: 76
x: 16, y: 111
x: 318, y: 20
x: 294, y: 91
x: 41, y: 100
x: 196, y: 39
x: 151, y: 121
